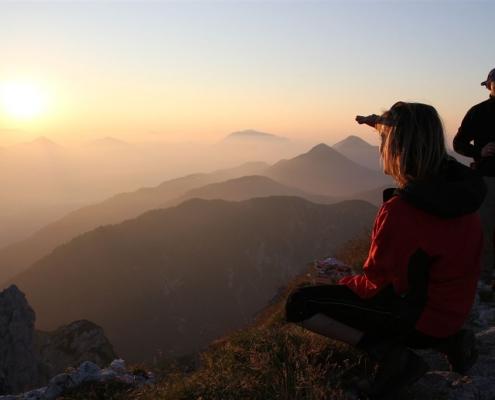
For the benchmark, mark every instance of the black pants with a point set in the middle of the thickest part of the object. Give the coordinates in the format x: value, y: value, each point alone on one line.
x: 384, y: 317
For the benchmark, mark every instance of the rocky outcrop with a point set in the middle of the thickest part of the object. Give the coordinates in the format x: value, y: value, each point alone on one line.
x: 71, y: 345
x: 19, y: 364
x: 479, y: 384
x: 29, y: 358
x: 87, y: 372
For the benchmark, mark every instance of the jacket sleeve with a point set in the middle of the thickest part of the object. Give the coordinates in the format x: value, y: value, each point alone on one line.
x: 465, y: 135
x: 388, y: 257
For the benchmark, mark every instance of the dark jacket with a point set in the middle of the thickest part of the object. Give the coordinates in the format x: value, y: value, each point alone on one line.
x: 439, y: 218
x: 478, y: 126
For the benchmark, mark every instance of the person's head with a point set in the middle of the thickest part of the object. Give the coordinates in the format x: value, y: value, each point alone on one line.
x: 490, y: 82
x: 413, y: 146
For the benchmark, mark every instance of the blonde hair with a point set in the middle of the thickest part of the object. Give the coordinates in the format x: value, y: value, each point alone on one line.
x: 413, y: 146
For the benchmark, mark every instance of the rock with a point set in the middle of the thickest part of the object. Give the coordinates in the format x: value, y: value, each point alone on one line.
x: 485, y: 367
x: 450, y: 386
x: 29, y: 359
x: 58, y: 385
x: 18, y: 360
x: 87, y: 372
x: 107, y: 374
x: 486, y: 315
x: 38, y: 394
x: 486, y: 341
x: 118, y: 366
x: 478, y: 385
x: 73, y: 344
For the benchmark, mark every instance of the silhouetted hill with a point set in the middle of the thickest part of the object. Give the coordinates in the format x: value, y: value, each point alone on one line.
x: 325, y: 171
x: 353, y: 141
x: 19, y: 256
x: 359, y: 151
x: 175, y: 279
x: 248, y: 187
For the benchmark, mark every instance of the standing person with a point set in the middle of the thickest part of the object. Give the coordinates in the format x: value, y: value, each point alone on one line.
x: 419, y: 280
x: 478, y: 127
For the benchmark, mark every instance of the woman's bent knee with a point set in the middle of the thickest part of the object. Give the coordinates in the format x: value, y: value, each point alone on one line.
x: 296, y: 307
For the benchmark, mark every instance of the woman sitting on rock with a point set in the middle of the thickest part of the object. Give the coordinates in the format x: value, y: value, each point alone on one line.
x: 419, y: 280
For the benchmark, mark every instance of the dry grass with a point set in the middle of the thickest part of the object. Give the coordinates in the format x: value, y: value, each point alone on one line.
x: 283, y: 362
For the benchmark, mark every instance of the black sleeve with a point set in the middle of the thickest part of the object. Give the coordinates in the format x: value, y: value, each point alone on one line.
x: 465, y: 135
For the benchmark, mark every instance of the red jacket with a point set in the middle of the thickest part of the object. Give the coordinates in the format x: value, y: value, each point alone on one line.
x: 454, y: 246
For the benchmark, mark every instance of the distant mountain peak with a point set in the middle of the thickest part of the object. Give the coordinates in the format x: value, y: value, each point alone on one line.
x: 352, y: 141
x: 321, y: 148
x: 42, y: 141
x: 253, y: 134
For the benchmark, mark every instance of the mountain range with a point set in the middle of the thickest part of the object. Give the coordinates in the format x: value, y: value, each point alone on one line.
x: 172, y: 280
x: 19, y: 256
x: 247, y: 187
x: 320, y: 175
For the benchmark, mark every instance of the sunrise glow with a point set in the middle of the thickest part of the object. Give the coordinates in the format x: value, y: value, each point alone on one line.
x: 23, y: 100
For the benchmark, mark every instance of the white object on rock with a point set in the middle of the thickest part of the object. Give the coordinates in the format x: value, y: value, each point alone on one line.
x: 118, y: 365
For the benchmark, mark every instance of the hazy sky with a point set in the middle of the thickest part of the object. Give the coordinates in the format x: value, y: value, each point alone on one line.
x: 200, y: 70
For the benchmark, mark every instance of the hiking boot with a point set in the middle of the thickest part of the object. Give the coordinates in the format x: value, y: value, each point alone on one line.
x: 400, y: 368
x: 461, y: 351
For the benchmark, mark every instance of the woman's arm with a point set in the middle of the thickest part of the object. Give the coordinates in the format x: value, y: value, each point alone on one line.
x: 388, y: 257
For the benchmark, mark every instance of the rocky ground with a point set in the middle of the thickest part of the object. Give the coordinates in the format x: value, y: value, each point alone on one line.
x: 479, y: 384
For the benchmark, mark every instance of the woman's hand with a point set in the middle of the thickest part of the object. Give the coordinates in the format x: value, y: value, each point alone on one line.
x: 370, y: 120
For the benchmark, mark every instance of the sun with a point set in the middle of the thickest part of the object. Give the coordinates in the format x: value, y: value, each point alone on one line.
x: 23, y: 100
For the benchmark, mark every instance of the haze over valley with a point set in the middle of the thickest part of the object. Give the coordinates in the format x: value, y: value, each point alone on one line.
x: 137, y: 261
x: 42, y: 180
